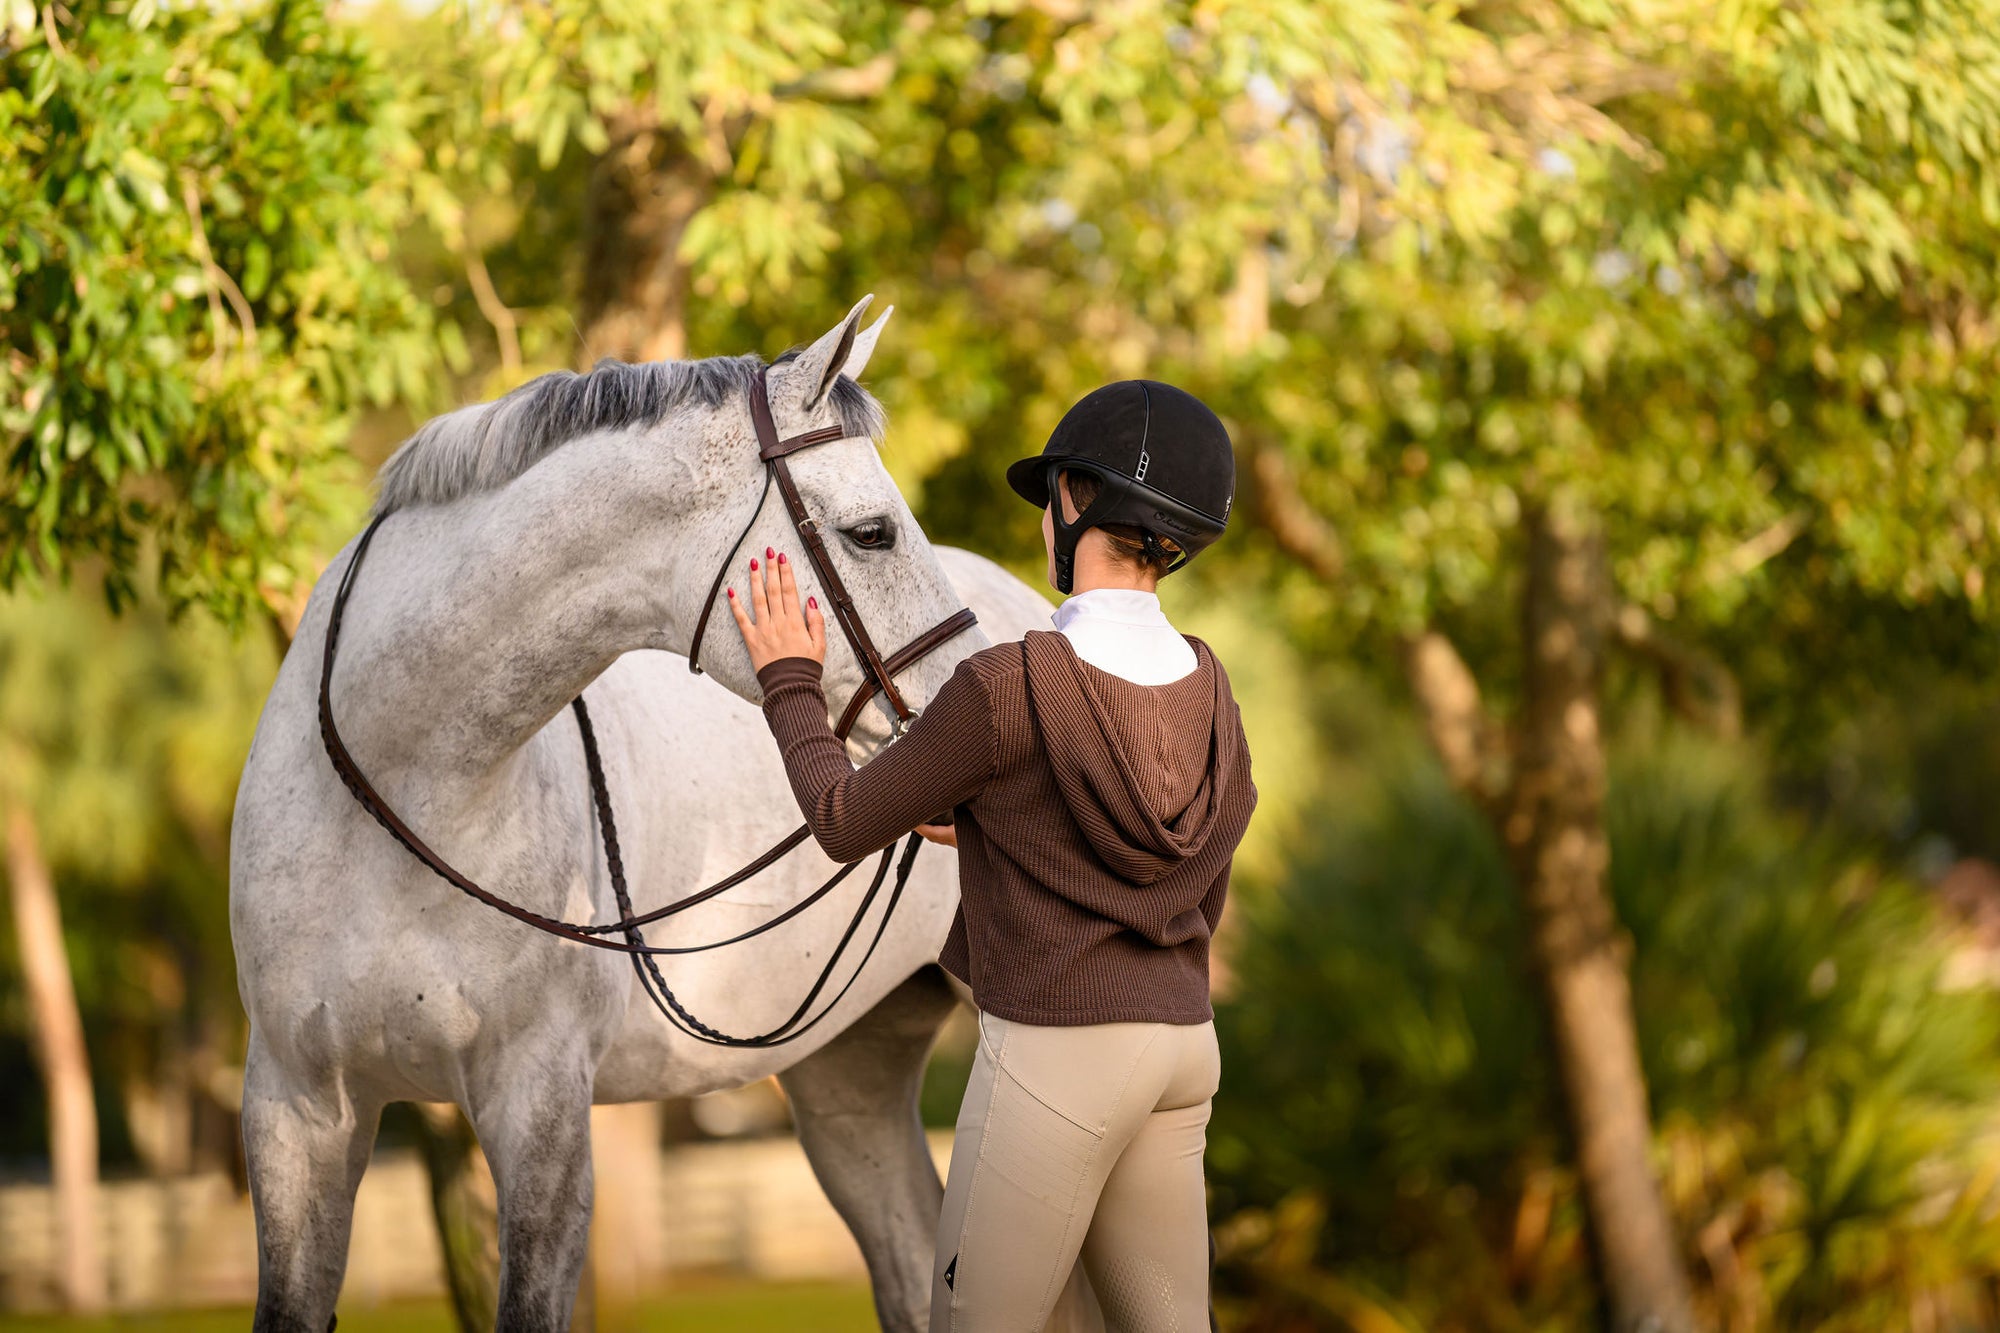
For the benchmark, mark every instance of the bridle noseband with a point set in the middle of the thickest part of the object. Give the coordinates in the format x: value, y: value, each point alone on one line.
x: 878, y: 673
x: 879, y: 677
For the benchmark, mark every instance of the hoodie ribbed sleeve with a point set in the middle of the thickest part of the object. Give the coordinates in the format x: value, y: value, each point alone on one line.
x: 942, y: 761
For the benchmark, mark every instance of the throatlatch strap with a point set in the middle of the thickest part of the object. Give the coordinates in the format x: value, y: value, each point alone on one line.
x: 721, y: 573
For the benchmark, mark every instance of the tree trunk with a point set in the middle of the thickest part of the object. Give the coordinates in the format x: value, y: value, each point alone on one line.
x: 65, y: 1064
x: 1543, y: 789
x: 644, y: 191
x: 1552, y: 822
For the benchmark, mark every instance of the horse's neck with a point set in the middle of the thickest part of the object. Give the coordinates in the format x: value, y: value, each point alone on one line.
x: 475, y: 622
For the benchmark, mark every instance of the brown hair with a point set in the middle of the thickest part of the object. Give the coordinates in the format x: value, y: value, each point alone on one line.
x: 1127, y: 542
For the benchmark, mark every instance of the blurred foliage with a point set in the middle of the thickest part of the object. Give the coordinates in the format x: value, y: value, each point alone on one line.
x: 1386, y: 1146
x: 1438, y: 262
x: 1725, y: 271
x: 196, y: 290
x: 1914, y: 766
x: 126, y: 735
x: 733, y: 81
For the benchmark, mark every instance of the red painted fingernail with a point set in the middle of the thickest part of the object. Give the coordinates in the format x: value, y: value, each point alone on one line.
x: 781, y: 557
x: 732, y: 594
x: 813, y: 602
x: 767, y: 553
x: 753, y: 562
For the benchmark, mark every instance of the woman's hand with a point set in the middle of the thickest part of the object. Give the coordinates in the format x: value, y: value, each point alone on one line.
x: 781, y: 627
x: 944, y: 835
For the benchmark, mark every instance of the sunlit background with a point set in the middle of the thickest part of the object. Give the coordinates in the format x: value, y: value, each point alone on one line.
x: 1610, y: 594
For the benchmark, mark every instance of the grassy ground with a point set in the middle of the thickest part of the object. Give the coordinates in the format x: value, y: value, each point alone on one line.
x: 737, y: 1308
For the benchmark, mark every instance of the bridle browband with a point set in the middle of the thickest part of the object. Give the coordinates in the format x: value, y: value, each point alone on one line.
x: 879, y: 677
x: 878, y: 673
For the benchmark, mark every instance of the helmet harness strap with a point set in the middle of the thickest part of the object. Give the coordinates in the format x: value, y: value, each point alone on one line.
x: 1067, y: 533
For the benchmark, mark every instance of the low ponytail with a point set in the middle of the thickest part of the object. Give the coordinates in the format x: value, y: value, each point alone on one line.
x: 1134, y: 546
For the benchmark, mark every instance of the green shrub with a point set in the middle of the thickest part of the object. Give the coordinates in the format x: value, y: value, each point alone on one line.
x: 1388, y: 1147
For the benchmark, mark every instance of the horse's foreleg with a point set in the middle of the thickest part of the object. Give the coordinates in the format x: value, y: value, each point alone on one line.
x: 533, y: 1120
x: 855, y: 1102
x: 306, y: 1143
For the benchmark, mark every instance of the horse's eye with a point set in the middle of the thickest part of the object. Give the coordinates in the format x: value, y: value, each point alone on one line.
x: 873, y: 535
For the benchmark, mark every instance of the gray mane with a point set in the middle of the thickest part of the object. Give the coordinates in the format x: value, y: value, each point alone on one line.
x: 482, y: 448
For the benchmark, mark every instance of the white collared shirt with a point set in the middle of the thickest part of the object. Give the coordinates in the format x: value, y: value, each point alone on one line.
x: 1123, y: 631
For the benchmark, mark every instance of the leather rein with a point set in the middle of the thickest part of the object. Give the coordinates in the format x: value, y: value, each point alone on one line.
x: 879, y: 674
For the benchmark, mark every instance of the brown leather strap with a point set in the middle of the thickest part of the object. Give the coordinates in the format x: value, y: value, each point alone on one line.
x: 878, y: 674
x: 774, y: 452
x: 721, y: 573
x: 779, y: 448
x: 915, y: 650
x: 769, y: 857
x: 845, y: 614
x: 769, y: 446
x: 371, y: 801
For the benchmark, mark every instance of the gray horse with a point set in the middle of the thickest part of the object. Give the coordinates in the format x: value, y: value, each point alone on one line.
x: 559, y: 541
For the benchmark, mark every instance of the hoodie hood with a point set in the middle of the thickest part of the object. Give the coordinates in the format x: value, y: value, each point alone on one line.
x: 1144, y: 769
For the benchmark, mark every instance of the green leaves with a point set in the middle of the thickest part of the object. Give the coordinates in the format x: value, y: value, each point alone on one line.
x: 1724, y: 269
x: 195, y: 297
x: 1820, y: 1092
x: 735, y: 82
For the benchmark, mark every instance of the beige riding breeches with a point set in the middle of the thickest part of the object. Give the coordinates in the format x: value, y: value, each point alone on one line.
x: 1079, y: 1142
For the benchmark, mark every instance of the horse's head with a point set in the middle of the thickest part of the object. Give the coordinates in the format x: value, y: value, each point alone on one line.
x: 867, y: 532
x: 631, y: 487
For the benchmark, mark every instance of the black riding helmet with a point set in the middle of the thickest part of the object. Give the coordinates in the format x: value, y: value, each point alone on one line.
x: 1165, y: 461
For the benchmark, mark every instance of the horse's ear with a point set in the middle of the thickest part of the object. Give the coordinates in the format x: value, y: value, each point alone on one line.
x: 820, y: 365
x: 864, y: 346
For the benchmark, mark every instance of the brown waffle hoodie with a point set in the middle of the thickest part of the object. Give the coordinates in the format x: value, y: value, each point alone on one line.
x: 1096, y: 822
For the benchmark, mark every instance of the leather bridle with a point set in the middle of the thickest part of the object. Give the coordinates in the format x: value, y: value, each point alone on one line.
x: 879, y: 677
x: 878, y: 673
